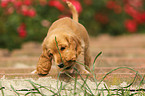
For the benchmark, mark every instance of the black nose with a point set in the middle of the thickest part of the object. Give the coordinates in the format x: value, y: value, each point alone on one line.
x: 61, y: 65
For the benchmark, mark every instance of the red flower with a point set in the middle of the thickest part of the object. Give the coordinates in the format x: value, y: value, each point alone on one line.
x: 17, y: 3
x: 114, y: 6
x: 143, y: 16
x: 110, y: 4
x: 130, y: 10
x: 117, y: 9
x: 56, y: 4
x: 4, y: 4
x: 77, y: 5
x: 10, y: 10
x: 27, y: 2
x: 32, y: 13
x: 59, y: 6
x: 22, y: 30
x: 102, y: 18
x: 138, y: 18
x: 131, y: 25
x: 136, y: 3
x: 23, y: 33
x: 25, y: 10
x: 28, y: 12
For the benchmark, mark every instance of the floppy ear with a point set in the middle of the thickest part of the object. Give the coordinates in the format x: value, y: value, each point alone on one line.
x: 44, y: 63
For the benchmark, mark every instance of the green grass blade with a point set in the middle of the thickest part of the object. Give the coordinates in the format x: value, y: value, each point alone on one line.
x: 102, y: 92
x: 94, y: 76
x: 42, y: 87
x: 115, y: 70
x: 58, y: 79
x: 59, y: 90
x: 1, y: 88
x: 107, y: 89
x: 15, y: 90
x: 85, y: 82
x: 134, y: 94
x: 85, y: 66
x: 131, y: 82
x: 75, y: 84
x: 62, y: 62
x: 122, y: 92
x: 31, y: 93
x: 141, y: 82
x: 58, y: 50
x: 95, y: 61
x: 94, y: 68
x: 36, y: 88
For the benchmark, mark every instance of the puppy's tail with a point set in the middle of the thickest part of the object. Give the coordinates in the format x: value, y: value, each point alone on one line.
x: 73, y: 11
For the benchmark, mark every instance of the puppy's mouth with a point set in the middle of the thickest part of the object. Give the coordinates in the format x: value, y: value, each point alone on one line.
x: 69, y: 67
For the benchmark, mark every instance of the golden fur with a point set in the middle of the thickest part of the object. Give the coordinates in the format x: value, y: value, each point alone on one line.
x: 73, y: 44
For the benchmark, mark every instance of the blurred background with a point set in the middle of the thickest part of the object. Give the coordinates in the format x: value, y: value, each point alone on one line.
x: 28, y: 20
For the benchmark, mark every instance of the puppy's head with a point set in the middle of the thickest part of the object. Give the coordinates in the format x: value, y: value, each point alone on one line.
x: 64, y: 49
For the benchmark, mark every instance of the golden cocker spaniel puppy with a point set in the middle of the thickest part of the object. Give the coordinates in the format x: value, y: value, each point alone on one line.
x: 67, y: 41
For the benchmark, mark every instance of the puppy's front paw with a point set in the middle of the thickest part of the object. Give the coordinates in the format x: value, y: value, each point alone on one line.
x: 34, y: 72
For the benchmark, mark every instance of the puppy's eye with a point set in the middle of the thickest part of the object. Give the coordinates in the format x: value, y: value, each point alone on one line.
x: 62, y: 48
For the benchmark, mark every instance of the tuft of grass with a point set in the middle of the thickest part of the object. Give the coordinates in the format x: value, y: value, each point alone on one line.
x: 75, y: 93
x: 37, y: 89
x: 86, y: 90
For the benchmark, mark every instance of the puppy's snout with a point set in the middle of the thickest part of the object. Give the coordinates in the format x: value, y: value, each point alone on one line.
x: 61, y: 65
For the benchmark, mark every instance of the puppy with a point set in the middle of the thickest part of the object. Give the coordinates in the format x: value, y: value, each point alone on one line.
x: 67, y: 41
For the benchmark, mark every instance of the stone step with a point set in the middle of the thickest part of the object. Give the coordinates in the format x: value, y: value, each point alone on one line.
x: 119, y: 41
x: 119, y: 52
x: 100, y: 62
x: 120, y: 69
x: 98, y: 75
x: 111, y: 79
x: 15, y: 70
x: 97, y: 70
x: 14, y: 61
x: 120, y: 62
